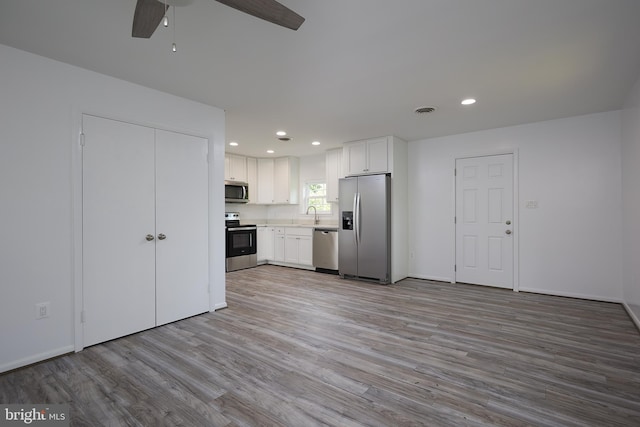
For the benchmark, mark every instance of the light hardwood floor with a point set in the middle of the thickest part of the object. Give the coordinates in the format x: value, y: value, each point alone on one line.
x: 298, y: 348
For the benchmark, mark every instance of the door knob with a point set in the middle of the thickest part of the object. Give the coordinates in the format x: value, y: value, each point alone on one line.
x: 508, y: 222
x: 508, y: 231
x: 161, y: 236
x: 149, y: 237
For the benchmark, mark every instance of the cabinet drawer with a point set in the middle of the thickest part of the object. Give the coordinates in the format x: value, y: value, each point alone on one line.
x: 299, y: 231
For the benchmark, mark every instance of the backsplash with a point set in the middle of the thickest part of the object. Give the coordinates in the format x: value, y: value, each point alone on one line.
x: 278, y: 214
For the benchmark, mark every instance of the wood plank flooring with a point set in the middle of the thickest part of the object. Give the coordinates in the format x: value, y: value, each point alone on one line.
x: 299, y: 348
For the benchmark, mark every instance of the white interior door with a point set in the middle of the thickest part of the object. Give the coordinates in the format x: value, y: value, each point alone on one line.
x: 182, y: 224
x: 484, y: 220
x: 118, y: 213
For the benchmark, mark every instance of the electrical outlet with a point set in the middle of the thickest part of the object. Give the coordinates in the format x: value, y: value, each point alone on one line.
x: 43, y: 310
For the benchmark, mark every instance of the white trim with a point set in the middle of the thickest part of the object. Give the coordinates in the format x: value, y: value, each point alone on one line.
x: 305, y: 198
x: 632, y: 315
x: 20, y: 363
x: 516, y: 207
x: 76, y: 229
x: 453, y: 221
x: 219, y: 306
x: 288, y: 264
x: 151, y: 125
x: 432, y: 278
x: 571, y: 295
x: 516, y: 220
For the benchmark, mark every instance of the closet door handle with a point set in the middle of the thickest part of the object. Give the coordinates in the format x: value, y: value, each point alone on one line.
x: 161, y: 236
x: 149, y: 237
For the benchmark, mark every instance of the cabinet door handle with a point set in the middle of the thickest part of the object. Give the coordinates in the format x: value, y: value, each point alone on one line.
x: 149, y: 237
x: 161, y: 236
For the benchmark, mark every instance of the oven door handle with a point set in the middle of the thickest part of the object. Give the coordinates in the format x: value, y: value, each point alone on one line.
x: 241, y: 228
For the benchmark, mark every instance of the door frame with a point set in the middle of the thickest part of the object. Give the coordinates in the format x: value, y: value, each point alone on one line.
x: 516, y: 210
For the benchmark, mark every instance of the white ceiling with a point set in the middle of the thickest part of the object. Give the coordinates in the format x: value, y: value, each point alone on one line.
x: 356, y: 68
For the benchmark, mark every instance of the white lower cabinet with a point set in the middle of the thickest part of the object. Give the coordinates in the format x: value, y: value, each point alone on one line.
x: 299, y: 246
x: 286, y: 245
x: 265, y: 244
x: 278, y: 245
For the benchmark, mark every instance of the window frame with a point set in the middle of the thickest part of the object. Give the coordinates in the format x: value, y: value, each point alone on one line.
x: 306, y: 196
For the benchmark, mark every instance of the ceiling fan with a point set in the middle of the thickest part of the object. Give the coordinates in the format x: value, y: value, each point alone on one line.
x: 149, y: 14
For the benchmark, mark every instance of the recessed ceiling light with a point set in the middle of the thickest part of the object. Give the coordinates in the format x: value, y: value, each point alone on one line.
x: 468, y: 101
x: 315, y: 143
x: 281, y: 133
x: 270, y: 151
x: 233, y: 144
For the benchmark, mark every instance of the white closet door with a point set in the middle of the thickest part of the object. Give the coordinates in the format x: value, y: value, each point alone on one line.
x: 182, y: 206
x: 118, y: 213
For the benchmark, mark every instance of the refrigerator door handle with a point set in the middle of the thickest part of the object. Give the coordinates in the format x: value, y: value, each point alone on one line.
x: 355, y: 223
x: 356, y: 217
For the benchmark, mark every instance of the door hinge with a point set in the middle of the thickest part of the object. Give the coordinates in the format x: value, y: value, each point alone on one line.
x: 455, y: 219
x: 82, y: 139
x: 82, y: 317
x: 455, y: 172
x: 455, y: 268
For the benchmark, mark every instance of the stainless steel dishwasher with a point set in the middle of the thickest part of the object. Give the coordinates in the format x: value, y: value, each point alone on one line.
x: 325, y: 249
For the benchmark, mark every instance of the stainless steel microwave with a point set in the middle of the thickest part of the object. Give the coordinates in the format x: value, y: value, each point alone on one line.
x: 236, y: 192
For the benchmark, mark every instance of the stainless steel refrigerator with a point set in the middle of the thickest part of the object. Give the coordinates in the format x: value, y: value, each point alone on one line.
x: 364, y: 232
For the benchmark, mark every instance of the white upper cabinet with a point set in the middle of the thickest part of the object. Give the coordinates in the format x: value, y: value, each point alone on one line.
x: 265, y: 181
x: 286, y: 177
x: 278, y: 181
x: 366, y: 157
x: 235, y: 168
x: 333, y: 162
x: 252, y: 179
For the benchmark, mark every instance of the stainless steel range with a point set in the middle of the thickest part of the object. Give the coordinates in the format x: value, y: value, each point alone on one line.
x: 242, y: 244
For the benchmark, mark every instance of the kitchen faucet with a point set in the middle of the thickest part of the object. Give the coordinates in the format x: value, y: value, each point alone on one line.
x: 315, y: 214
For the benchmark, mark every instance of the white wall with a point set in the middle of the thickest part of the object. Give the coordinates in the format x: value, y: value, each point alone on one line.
x: 40, y: 106
x: 631, y: 202
x: 571, y: 244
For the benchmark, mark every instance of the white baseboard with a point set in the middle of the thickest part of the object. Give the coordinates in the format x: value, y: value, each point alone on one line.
x: 287, y: 264
x: 570, y: 295
x: 632, y: 315
x: 219, y: 306
x: 36, y: 358
x: 433, y: 278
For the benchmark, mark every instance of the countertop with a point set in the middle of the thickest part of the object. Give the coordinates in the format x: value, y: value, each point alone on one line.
x: 298, y: 225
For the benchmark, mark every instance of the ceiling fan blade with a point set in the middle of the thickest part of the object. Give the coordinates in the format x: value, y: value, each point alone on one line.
x: 269, y: 10
x: 146, y: 18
